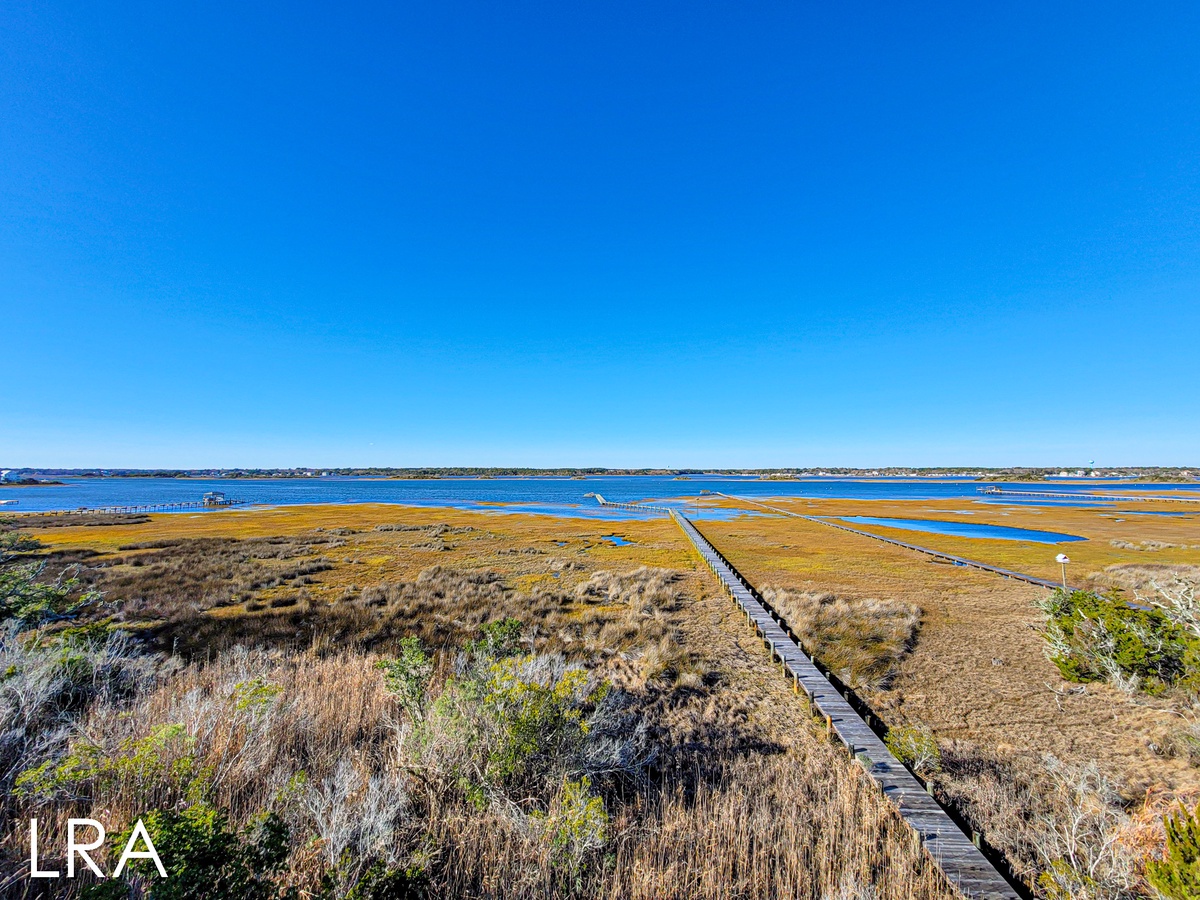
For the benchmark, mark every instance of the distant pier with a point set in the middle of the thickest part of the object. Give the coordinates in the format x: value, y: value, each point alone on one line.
x: 639, y: 506
x: 142, y: 508
x: 1064, y: 495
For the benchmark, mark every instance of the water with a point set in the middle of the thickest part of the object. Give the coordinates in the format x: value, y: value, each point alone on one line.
x: 969, y: 529
x: 616, y: 540
x: 546, y: 495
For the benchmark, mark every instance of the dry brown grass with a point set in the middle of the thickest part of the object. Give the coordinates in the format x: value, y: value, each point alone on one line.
x: 861, y: 640
x: 739, y: 795
x: 1041, y: 811
x: 978, y: 671
x: 1141, y: 577
x: 768, y: 823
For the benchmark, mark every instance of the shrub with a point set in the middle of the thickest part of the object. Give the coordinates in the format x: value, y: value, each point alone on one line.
x: 497, y: 640
x: 14, y: 543
x: 511, y: 730
x: 916, y: 748
x: 536, y: 706
x: 407, y: 676
x: 1177, y: 875
x: 164, y: 759
x: 1094, y: 638
x: 355, y: 815
x: 205, y: 859
x: 382, y: 883
x: 575, y: 827
x: 46, y: 683
x: 29, y: 601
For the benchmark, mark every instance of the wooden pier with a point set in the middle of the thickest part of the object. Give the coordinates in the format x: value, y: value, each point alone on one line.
x: 141, y: 508
x: 639, y: 506
x: 960, y: 857
x: 1064, y: 495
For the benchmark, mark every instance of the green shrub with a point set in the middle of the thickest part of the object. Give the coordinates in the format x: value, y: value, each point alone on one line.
x: 538, y: 717
x: 29, y: 602
x: 204, y: 859
x: 1177, y: 875
x: 916, y: 748
x: 382, y: 883
x: 511, y: 729
x: 497, y: 640
x: 1094, y: 638
x: 576, y: 825
x: 14, y: 543
x: 1062, y: 881
x: 407, y: 676
x: 164, y: 758
x: 254, y: 696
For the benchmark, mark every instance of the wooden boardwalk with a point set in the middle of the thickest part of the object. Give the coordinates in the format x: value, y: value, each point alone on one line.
x: 964, y: 864
x: 1064, y: 495
x: 143, y: 508
x: 937, y: 554
x: 641, y: 506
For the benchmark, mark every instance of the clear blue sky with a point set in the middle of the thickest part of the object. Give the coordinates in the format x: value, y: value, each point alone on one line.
x: 637, y: 233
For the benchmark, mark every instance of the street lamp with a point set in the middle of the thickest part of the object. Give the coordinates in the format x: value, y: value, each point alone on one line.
x: 1062, y: 559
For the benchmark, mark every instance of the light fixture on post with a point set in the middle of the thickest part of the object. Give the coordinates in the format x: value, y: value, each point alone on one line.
x: 1062, y: 559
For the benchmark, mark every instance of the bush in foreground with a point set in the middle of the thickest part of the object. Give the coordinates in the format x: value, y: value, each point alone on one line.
x: 1177, y: 875
x: 1102, y: 638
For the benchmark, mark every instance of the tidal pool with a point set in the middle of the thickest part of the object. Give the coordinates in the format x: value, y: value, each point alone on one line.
x: 616, y: 540
x: 968, y: 529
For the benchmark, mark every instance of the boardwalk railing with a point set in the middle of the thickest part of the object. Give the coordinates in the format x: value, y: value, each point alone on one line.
x: 937, y: 554
x: 963, y: 861
x: 642, y: 506
x: 1065, y: 495
x: 142, y: 508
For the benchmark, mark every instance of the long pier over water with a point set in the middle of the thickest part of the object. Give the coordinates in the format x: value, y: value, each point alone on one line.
x: 142, y: 508
x: 1064, y: 495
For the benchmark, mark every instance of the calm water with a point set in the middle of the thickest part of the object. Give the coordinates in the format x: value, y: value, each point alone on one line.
x: 555, y: 496
x: 968, y: 529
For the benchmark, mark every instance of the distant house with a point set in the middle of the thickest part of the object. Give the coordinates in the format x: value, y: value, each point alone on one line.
x: 10, y: 475
x: 214, y: 498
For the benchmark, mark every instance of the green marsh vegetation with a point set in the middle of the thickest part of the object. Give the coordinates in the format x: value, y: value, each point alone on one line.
x: 290, y: 727
x: 445, y: 736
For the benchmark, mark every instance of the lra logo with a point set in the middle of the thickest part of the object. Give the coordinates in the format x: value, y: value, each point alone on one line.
x: 76, y: 848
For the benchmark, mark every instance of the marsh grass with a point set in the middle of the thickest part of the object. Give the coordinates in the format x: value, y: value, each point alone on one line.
x: 651, y: 774
x: 861, y: 640
x: 168, y: 578
x: 318, y: 741
x: 1064, y: 828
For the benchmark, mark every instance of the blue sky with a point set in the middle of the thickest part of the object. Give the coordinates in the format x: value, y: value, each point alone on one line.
x: 599, y: 234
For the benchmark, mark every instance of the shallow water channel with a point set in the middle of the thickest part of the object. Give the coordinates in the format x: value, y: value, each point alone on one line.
x: 968, y: 529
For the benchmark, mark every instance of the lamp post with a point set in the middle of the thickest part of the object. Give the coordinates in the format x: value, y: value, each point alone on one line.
x: 1062, y: 559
